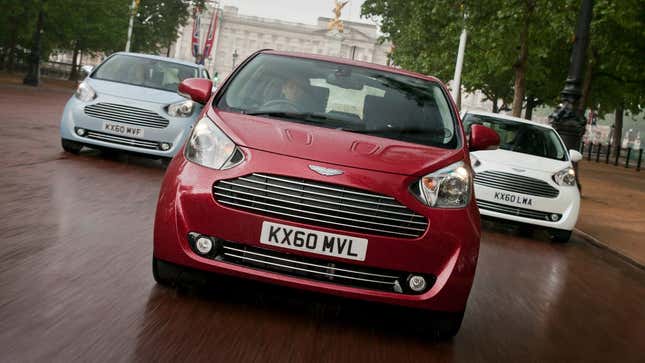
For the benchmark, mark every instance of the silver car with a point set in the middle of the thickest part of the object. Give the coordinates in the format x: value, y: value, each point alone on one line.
x: 130, y: 102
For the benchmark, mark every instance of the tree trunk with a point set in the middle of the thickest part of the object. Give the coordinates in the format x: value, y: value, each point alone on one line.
x: 73, y: 75
x: 618, y: 127
x: 530, y: 105
x: 522, y: 60
x: 586, y: 84
x: 495, y: 107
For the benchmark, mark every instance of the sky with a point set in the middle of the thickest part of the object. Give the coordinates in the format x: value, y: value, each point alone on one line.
x: 301, y: 11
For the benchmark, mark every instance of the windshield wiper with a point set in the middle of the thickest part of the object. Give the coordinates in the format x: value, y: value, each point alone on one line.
x: 312, y: 117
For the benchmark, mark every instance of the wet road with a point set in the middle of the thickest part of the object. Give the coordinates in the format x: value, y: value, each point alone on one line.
x: 76, y: 283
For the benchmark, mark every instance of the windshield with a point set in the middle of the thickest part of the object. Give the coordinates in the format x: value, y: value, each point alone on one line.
x: 521, y: 137
x: 144, y: 72
x: 344, y: 97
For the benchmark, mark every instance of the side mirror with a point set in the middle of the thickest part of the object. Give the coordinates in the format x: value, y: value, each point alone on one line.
x: 482, y: 138
x: 197, y: 89
x: 575, y: 155
x: 87, y: 69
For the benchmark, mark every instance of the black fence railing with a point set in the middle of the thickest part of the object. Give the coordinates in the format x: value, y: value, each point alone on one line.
x: 616, y: 155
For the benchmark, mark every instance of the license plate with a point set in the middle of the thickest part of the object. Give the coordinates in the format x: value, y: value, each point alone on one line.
x: 120, y: 129
x: 322, y: 243
x: 516, y: 199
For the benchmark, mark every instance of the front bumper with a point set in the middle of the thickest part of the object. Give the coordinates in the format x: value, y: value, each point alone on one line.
x: 175, y: 133
x: 448, y: 249
x: 515, y: 208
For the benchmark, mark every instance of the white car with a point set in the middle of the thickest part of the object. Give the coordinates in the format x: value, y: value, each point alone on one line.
x: 530, y: 178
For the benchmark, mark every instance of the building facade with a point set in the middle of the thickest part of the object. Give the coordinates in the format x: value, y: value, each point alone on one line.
x: 239, y: 35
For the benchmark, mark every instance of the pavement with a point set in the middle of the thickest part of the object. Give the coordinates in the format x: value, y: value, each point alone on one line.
x: 613, y: 208
x: 76, y: 281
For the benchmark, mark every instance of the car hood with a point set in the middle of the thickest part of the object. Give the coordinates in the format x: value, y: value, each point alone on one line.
x: 133, y: 92
x: 333, y: 146
x: 517, y: 160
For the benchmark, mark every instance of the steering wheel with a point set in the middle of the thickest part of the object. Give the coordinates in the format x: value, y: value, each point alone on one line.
x: 280, y: 105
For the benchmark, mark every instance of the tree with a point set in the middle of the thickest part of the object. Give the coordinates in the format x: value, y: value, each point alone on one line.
x: 617, y: 48
x: 501, y: 33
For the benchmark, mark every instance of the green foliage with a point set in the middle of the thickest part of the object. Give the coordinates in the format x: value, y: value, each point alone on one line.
x: 90, y: 26
x: 426, y: 35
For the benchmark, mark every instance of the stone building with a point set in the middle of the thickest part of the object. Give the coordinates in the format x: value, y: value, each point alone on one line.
x: 240, y: 35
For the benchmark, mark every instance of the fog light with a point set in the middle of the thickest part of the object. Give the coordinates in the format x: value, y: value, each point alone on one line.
x: 204, y: 245
x: 417, y: 283
x: 554, y: 217
x: 165, y: 146
x: 80, y: 132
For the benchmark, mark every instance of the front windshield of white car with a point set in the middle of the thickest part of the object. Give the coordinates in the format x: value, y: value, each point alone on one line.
x: 345, y: 97
x: 144, y: 72
x: 521, y: 137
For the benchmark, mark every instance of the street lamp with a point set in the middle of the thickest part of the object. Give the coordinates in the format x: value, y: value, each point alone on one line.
x: 566, y: 119
x: 235, y: 55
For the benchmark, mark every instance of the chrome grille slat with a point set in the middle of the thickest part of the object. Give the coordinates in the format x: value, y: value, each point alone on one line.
x: 309, y: 264
x: 325, y: 195
x: 516, y: 211
x: 322, y: 187
x: 308, y: 270
x: 516, y: 183
x: 316, y: 220
x: 324, y: 208
x: 320, y: 214
x: 318, y: 200
x: 126, y: 114
x: 122, y: 140
x: 319, y: 203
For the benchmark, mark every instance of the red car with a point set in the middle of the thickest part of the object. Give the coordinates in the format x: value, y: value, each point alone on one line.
x: 327, y: 175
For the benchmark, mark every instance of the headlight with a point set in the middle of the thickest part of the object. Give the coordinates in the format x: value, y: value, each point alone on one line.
x: 210, y: 147
x: 84, y: 92
x: 474, y: 162
x: 181, y: 109
x: 446, y: 188
x: 565, y: 176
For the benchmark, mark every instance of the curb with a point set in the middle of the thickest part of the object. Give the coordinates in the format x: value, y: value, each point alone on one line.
x: 598, y: 243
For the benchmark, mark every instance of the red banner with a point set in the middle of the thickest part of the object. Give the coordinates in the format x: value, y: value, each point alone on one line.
x: 195, y: 39
x: 210, y: 37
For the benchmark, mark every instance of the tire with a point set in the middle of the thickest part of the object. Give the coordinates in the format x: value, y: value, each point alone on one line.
x: 171, y: 275
x: 444, y: 325
x: 71, y: 147
x: 560, y: 235
x: 164, y: 273
x: 165, y: 162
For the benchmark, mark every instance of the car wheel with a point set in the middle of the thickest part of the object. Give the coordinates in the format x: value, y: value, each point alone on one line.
x: 165, y: 273
x: 165, y: 162
x: 560, y: 235
x: 71, y: 146
x: 444, y: 325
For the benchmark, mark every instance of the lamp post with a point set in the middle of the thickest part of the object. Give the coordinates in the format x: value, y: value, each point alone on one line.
x: 566, y: 119
x: 235, y: 55
x: 33, y: 75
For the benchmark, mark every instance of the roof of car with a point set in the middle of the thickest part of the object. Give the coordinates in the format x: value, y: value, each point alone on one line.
x: 507, y: 117
x: 352, y: 62
x: 158, y: 57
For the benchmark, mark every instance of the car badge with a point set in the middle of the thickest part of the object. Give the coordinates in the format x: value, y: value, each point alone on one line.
x: 519, y: 170
x: 325, y: 171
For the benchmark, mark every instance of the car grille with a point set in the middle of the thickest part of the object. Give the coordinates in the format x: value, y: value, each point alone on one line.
x: 315, y: 269
x: 516, y: 183
x: 320, y: 204
x: 126, y: 114
x: 516, y: 211
x: 115, y: 139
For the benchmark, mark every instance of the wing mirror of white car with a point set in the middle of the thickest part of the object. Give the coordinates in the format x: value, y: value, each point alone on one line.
x: 87, y: 69
x: 575, y: 155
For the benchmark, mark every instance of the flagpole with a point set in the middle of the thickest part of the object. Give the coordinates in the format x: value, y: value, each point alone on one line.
x: 130, y: 25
